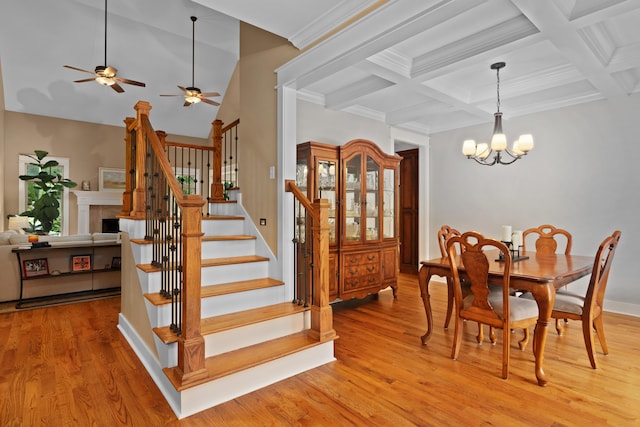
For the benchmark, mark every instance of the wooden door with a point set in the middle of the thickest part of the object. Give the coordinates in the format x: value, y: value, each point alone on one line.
x: 409, y: 187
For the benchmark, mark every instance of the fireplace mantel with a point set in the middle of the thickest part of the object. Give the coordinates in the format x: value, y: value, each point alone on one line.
x: 86, y: 199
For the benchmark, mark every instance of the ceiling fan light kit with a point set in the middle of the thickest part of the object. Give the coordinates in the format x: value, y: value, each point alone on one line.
x: 104, y: 74
x: 192, y: 94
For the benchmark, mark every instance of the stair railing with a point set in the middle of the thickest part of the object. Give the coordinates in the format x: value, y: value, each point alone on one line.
x: 173, y: 223
x: 311, y: 241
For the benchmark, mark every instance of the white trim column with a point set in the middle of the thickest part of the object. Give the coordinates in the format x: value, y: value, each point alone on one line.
x: 86, y: 199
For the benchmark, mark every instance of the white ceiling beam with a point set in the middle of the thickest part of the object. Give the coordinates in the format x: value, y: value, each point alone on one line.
x: 349, y: 95
x: 553, y: 24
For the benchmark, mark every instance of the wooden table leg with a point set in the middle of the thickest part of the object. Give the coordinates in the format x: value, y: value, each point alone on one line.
x: 545, y: 296
x: 423, y: 279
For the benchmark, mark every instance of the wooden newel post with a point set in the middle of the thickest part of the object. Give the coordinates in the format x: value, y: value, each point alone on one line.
x: 191, y: 352
x: 139, y: 193
x: 321, y: 312
x: 127, y: 198
x: 217, y: 189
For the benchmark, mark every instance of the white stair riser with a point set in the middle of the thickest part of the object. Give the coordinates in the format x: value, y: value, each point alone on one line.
x: 239, y: 301
x: 167, y: 353
x: 223, y: 208
x: 227, y: 248
x: 152, y: 282
x: 234, y: 272
x: 245, y: 336
x: 227, y: 227
x: 212, y: 393
x: 160, y: 315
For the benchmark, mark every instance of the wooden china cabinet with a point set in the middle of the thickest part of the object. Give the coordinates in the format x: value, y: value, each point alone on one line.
x: 360, y: 182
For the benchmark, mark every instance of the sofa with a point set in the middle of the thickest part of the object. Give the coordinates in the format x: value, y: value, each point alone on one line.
x: 10, y: 239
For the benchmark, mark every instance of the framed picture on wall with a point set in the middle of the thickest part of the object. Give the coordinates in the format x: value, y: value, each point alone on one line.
x: 35, y: 267
x: 111, y: 179
x: 81, y: 263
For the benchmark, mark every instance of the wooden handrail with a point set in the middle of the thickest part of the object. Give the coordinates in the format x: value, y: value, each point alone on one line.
x: 291, y: 187
x: 321, y: 312
x: 185, y: 145
x: 233, y: 124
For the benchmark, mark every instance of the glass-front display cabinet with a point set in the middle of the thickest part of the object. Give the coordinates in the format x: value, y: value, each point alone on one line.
x: 360, y: 183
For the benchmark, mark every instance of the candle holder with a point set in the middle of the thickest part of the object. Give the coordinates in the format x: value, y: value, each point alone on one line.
x: 515, y: 253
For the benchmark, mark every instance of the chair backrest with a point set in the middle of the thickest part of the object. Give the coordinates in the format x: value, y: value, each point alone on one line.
x: 476, y: 266
x: 444, y: 234
x: 601, y: 269
x: 546, y: 243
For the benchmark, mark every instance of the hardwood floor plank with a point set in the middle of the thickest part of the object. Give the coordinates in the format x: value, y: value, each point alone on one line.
x: 69, y: 365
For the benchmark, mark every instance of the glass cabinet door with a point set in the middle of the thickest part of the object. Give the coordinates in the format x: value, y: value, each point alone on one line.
x: 327, y: 190
x: 388, y: 208
x: 302, y: 171
x: 372, y: 225
x: 353, y: 198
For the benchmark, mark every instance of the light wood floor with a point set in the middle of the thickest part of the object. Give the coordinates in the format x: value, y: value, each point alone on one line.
x: 69, y: 365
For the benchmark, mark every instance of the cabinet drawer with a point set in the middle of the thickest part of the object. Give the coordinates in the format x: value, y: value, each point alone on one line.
x: 361, y: 258
x: 361, y: 281
x: 361, y: 270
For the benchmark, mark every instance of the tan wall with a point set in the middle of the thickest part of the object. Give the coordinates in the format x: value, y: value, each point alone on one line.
x: 2, y: 145
x: 260, y: 54
x: 89, y: 146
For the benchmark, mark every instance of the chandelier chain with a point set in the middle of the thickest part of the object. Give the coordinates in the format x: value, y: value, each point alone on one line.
x: 498, y: 89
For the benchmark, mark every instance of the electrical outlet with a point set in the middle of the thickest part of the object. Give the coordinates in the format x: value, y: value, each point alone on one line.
x: 263, y: 221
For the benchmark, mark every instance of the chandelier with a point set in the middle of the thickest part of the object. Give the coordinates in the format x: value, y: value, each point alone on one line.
x: 482, y: 151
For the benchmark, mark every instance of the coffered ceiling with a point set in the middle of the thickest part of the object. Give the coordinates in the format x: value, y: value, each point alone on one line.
x: 421, y: 65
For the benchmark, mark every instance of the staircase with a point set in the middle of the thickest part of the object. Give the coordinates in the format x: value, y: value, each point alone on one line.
x: 253, y: 334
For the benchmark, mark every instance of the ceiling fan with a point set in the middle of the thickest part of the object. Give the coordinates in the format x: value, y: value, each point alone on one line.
x: 104, y: 74
x: 192, y: 94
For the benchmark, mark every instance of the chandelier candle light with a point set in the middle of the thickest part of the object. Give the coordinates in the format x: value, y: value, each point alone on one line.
x: 480, y: 152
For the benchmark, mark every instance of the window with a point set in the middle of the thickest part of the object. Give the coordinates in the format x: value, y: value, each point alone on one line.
x: 27, y: 191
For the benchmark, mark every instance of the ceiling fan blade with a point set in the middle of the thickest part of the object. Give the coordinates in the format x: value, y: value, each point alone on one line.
x: 129, y: 82
x: 186, y: 104
x: 182, y: 88
x: 117, y: 88
x: 210, y: 102
x: 84, y: 80
x: 173, y: 95
x: 79, y: 69
x: 208, y: 94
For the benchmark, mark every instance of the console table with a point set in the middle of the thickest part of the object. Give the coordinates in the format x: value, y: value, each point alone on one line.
x: 54, y: 272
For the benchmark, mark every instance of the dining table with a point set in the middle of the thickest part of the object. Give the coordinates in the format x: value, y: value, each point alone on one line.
x: 539, y: 274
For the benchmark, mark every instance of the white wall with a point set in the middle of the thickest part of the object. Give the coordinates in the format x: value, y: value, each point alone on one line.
x: 581, y: 176
x: 315, y: 123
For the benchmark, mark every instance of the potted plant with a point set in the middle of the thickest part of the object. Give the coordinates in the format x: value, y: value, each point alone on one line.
x: 46, y: 192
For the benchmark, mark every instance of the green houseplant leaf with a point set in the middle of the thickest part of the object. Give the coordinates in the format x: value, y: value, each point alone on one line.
x: 48, y: 186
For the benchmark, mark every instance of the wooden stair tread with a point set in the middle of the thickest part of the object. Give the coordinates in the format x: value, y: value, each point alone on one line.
x: 221, y: 289
x: 240, y: 286
x: 229, y: 237
x: 225, y: 322
x: 204, y: 239
x: 211, y: 262
x: 222, y: 218
x: 235, y: 361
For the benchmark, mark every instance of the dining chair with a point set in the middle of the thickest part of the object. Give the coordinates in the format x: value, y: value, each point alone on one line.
x: 444, y: 234
x: 498, y: 309
x: 588, y: 307
x: 546, y: 242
